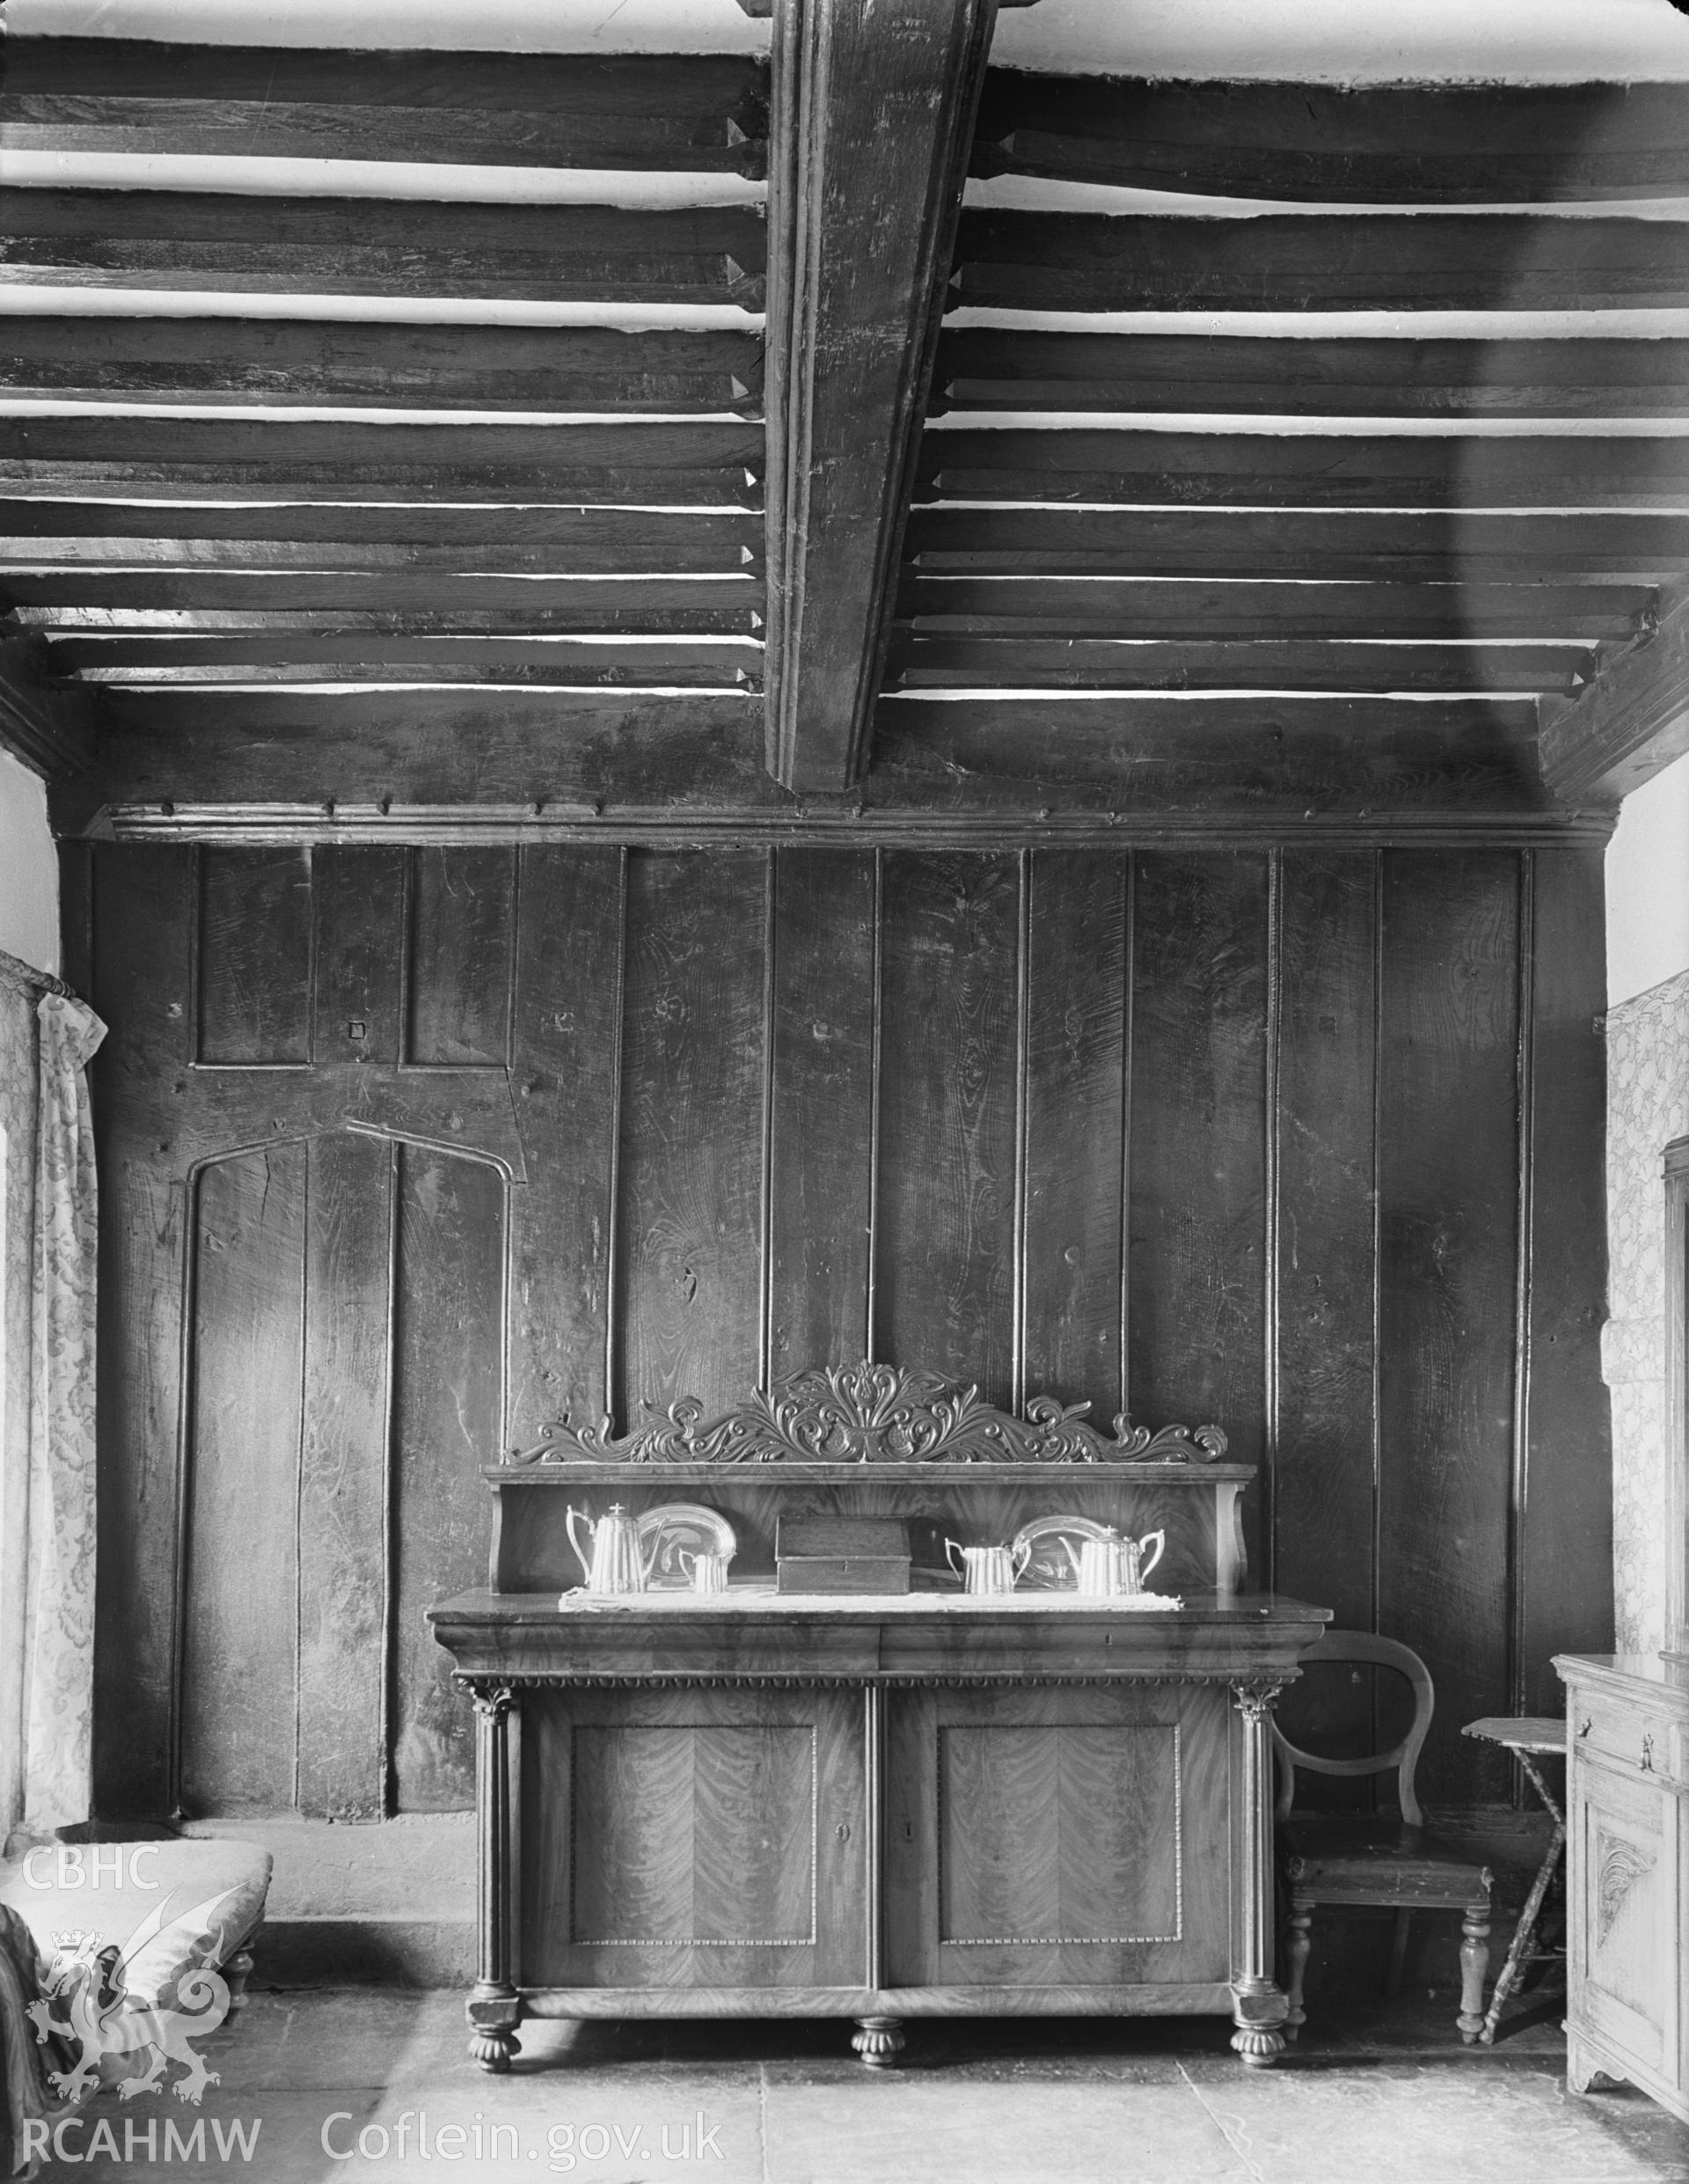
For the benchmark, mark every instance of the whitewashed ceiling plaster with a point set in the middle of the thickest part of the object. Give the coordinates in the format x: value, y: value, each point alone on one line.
x: 1320, y: 40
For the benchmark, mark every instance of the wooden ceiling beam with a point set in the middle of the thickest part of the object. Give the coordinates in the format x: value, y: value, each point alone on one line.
x: 1042, y: 607
x: 1631, y: 718
x: 871, y: 115
x: 395, y: 366
x: 1081, y: 261
x: 703, y: 461
x: 633, y: 606
x: 381, y: 591
x: 308, y: 656
x: 707, y: 538
x: 1329, y: 545
x: 1239, y: 374
x: 48, y: 726
x: 693, y: 112
x: 1306, y: 470
x: 243, y: 243
x: 299, y: 765
x: 1289, y: 664
x: 1365, y: 756
x: 1384, y: 144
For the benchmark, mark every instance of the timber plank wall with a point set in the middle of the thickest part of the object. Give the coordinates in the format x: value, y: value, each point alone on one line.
x: 406, y: 1151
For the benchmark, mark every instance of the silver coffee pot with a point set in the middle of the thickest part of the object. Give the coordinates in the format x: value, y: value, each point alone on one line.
x: 617, y: 1563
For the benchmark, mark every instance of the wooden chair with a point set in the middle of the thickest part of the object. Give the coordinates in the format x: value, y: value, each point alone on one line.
x: 1377, y: 1860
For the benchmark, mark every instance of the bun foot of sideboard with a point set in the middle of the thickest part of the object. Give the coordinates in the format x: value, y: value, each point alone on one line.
x: 493, y: 2050
x: 879, y: 2040
x: 1259, y: 2047
x: 1259, y: 2010
x: 494, y: 2011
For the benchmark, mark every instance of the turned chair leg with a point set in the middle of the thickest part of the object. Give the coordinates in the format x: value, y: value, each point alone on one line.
x: 1474, y: 1964
x: 1298, y: 1942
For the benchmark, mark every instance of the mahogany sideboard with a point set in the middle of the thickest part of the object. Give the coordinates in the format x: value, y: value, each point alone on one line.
x: 759, y: 1804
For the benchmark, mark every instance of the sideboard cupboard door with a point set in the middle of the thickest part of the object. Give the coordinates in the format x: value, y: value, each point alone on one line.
x: 693, y: 1837
x: 1054, y: 1837
x: 1627, y: 1892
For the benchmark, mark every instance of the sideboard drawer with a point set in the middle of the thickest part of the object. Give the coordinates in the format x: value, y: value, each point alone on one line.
x: 1631, y: 1738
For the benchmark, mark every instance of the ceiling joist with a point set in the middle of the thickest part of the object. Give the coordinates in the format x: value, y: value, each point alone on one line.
x: 1321, y: 144
x: 693, y: 112
x: 241, y: 245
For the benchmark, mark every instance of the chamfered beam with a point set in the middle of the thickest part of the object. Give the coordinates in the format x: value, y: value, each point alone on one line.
x: 1631, y: 718
x: 51, y: 730
x: 872, y: 119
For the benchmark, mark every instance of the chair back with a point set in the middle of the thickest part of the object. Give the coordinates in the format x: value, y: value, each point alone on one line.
x: 1380, y: 1653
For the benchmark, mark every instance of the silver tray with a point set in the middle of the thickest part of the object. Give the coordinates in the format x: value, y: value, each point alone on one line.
x: 1048, y: 1568
x: 677, y: 1528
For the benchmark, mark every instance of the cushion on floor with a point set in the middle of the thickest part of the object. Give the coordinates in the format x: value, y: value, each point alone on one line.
x: 171, y: 1903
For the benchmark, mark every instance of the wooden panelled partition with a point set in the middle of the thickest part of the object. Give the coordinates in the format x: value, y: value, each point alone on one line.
x: 407, y: 1150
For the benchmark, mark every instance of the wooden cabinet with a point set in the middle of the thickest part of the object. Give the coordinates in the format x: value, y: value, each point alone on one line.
x: 758, y: 1805
x: 1627, y: 1745
x: 756, y: 1802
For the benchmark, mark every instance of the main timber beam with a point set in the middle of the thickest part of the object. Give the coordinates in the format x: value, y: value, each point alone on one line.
x: 1631, y: 719
x: 871, y: 124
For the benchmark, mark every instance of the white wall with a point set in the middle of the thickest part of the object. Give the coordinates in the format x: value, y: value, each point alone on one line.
x: 29, y: 869
x: 1647, y: 886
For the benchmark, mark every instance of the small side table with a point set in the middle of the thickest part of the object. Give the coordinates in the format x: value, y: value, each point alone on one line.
x: 1528, y: 1738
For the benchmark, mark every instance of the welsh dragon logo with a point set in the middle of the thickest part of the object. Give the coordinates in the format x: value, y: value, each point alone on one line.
x: 87, y: 2003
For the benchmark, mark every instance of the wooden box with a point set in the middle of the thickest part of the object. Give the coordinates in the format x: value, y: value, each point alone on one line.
x: 830, y: 1554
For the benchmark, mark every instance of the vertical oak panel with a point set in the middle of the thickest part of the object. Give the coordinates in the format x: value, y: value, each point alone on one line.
x: 822, y: 1166
x: 1197, y: 1290
x: 343, y: 1478
x: 462, y: 917
x: 1076, y: 1075
x: 1323, y: 1492
x: 567, y: 1026
x: 1448, y: 1168
x: 239, y: 1651
x: 691, y: 1170
x: 254, y: 958
x: 1564, y: 1579
x: 945, y: 1278
x: 359, y: 899
x: 449, y: 1279
x: 143, y: 914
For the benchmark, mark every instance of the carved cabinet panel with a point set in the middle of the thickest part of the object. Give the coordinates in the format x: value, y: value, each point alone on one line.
x: 1624, y: 1936
x: 691, y: 1837
x: 1058, y: 1837
x: 1628, y: 1839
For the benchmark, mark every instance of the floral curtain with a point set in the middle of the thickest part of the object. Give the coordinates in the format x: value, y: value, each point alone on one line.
x: 59, y: 1602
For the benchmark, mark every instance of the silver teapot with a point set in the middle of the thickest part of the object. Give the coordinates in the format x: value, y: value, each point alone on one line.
x: 1115, y: 1565
x: 616, y: 1563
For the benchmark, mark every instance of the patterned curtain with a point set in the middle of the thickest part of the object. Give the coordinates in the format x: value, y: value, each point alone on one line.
x: 58, y: 1605
x: 19, y: 1074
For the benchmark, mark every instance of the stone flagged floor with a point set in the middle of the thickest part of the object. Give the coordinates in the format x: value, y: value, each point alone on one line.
x: 1374, y: 2093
